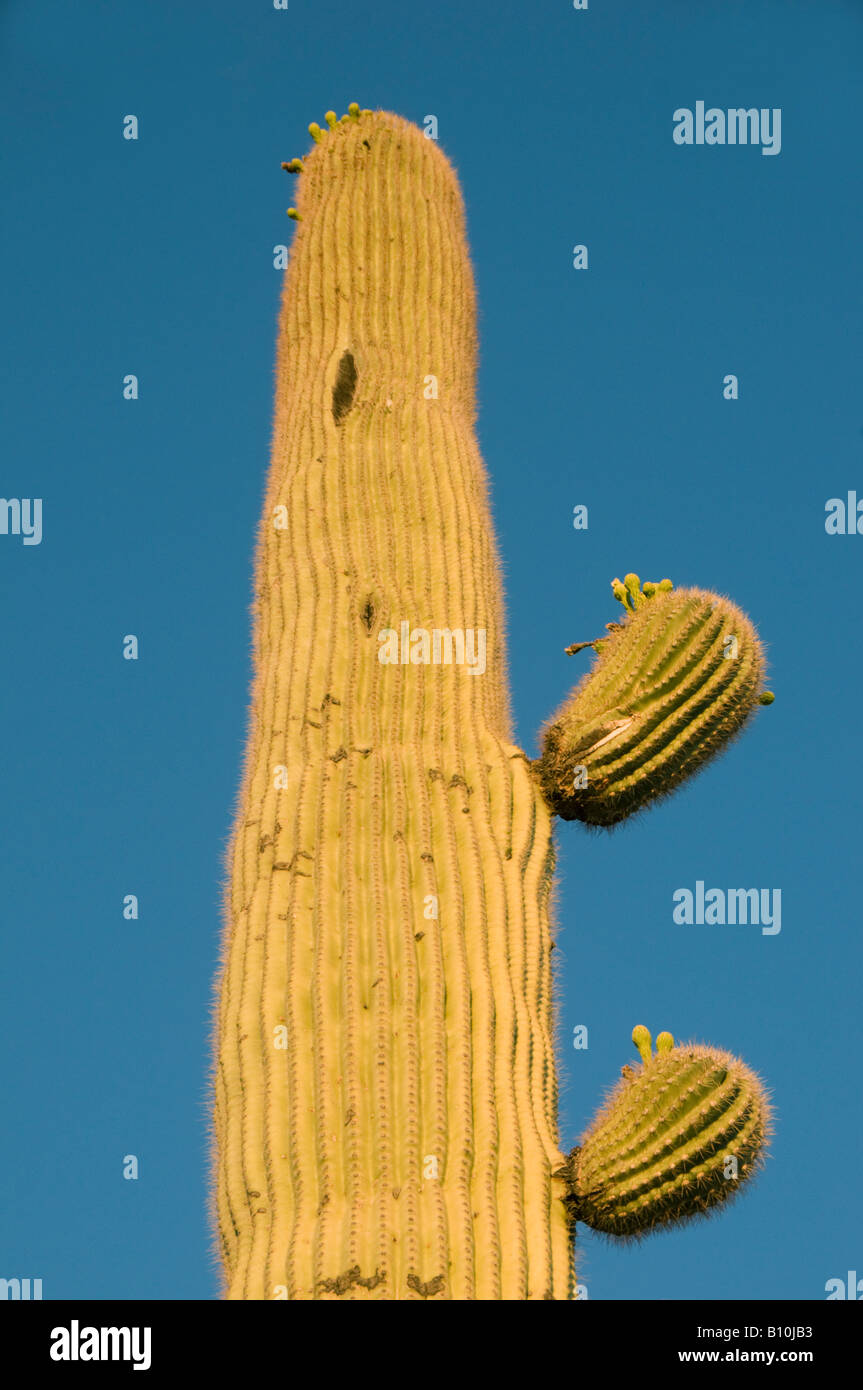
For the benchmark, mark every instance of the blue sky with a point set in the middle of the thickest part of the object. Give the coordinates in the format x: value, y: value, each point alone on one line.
x: 601, y: 387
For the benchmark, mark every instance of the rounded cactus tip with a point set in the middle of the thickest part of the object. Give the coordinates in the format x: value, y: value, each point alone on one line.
x: 643, y: 1041
x: 292, y: 212
x: 331, y: 119
x: 767, y: 698
x: 354, y: 110
x: 674, y: 1140
x: 315, y: 131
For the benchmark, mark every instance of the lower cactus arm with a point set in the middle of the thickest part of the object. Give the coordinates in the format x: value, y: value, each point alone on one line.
x: 675, y: 1140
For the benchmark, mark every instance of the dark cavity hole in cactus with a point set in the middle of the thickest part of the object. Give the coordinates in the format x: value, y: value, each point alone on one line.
x: 367, y: 615
x: 346, y: 385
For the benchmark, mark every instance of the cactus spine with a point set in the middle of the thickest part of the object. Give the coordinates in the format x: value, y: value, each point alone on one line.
x: 385, y: 1093
x: 675, y: 1140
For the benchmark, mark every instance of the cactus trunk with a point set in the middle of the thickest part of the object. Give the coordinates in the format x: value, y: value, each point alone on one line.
x: 385, y: 1089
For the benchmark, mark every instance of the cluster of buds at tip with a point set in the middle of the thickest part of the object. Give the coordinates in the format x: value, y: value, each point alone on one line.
x: 296, y: 165
x: 353, y: 113
x: 644, y: 1042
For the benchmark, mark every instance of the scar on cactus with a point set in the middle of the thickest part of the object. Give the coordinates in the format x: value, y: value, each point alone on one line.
x: 676, y: 1139
x: 346, y: 385
x: 676, y: 680
x: 385, y: 1084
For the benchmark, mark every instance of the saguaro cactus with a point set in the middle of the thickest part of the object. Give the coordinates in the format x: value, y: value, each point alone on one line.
x: 385, y: 1092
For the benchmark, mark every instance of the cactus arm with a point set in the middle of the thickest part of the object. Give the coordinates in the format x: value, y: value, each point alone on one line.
x: 675, y: 1140
x: 674, y: 684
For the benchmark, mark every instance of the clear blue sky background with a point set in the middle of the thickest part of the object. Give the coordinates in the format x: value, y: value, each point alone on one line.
x: 601, y: 387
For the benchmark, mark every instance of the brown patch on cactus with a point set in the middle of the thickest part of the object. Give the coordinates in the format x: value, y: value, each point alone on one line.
x: 367, y: 614
x: 346, y: 385
x: 352, y: 1278
x: 429, y: 1289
